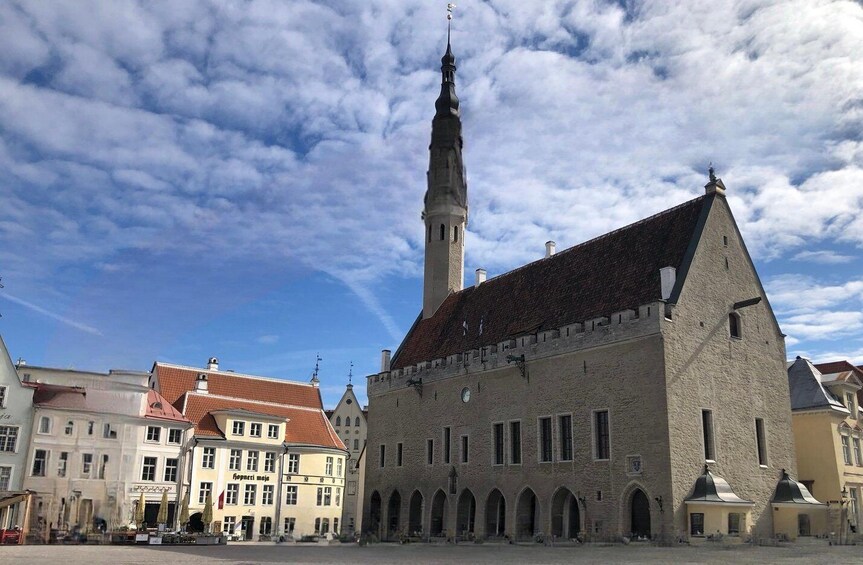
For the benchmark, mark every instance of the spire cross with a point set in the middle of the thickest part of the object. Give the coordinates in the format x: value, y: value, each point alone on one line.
x: 351, y: 372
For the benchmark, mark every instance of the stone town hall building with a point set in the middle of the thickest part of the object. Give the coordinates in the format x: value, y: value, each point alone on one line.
x: 583, y: 394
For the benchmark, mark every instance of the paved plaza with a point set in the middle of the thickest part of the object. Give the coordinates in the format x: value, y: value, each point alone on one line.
x: 421, y: 553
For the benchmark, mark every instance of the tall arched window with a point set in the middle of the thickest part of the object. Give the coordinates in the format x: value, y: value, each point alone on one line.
x: 734, y: 324
x: 357, y: 420
x: 348, y: 421
x: 455, y: 233
x: 338, y: 420
x: 442, y: 232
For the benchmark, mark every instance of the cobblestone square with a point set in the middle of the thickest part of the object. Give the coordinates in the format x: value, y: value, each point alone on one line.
x: 243, y: 554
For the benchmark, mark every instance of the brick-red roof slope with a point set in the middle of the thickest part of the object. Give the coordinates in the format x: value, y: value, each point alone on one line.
x: 613, y: 272
x: 175, y: 380
x: 834, y: 367
x: 158, y: 408
x: 306, y: 426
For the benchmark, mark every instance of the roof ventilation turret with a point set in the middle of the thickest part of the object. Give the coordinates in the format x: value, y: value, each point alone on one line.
x: 201, y: 384
x: 213, y: 364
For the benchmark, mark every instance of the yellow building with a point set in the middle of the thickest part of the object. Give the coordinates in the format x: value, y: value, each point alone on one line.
x: 827, y: 436
x: 262, y: 449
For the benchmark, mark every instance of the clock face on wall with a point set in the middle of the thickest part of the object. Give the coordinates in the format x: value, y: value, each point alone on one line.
x: 465, y: 394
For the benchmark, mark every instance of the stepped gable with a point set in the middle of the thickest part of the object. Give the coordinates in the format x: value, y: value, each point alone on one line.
x: 611, y: 273
x: 175, y: 380
x: 305, y: 426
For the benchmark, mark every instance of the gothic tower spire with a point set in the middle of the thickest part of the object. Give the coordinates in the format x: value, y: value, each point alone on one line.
x: 445, y: 212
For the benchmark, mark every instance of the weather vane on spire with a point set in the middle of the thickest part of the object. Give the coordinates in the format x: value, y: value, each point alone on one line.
x: 711, y: 172
x: 449, y: 8
x: 351, y: 372
x: 318, y: 360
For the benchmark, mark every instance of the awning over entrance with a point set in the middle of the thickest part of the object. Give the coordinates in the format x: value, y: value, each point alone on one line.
x: 713, y: 489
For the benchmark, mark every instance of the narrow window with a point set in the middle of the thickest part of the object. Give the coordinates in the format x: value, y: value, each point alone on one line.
x: 171, y: 466
x: 442, y: 232
x: 338, y: 421
x: 293, y: 463
x: 545, y: 439
x: 148, y: 472
x: 735, y: 521
x: 250, y: 494
x: 86, y: 465
x: 40, y: 462
x: 760, y: 441
x: 857, y: 455
x: 291, y: 495
x: 464, y: 449
x: 251, y: 461
x: 430, y: 233
x: 565, y: 424
x: 601, y: 434
x: 44, y: 425
x: 234, y: 460
x: 515, y: 443
x: 446, y: 445
x: 846, y: 450
x: 267, y: 494
x: 269, y: 462
x: 205, y: 489
x: 383, y: 455
x: 734, y: 325
x: 455, y: 234
x: 61, y: 466
x: 103, y: 467
x: 696, y: 524
x: 399, y: 450
x: 725, y: 240
x: 328, y: 467
x: 498, y: 444
x: 208, y: 459
x: 232, y: 494
x: 70, y: 427
x: 707, y: 434
x: 430, y: 451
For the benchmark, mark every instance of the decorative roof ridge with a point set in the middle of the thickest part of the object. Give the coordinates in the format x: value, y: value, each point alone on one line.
x: 251, y: 401
x: 583, y: 244
x: 234, y: 374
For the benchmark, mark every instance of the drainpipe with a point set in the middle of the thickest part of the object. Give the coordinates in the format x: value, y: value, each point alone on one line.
x: 279, y: 485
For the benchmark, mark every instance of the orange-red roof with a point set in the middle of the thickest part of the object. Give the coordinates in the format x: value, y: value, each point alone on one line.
x: 175, y: 380
x: 306, y: 426
x: 158, y: 408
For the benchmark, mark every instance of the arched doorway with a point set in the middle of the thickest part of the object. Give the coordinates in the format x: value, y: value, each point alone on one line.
x: 196, y: 523
x: 438, y: 514
x: 466, y: 514
x: 415, y: 514
x: 374, y: 526
x: 565, y: 516
x: 394, y: 514
x: 526, y: 514
x: 640, y: 514
x: 495, y: 515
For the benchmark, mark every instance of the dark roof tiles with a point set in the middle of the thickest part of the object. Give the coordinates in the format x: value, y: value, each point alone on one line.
x: 611, y: 273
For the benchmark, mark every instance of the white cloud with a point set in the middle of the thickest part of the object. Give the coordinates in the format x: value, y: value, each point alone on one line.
x: 297, y: 131
x: 268, y: 339
x: 825, y: 257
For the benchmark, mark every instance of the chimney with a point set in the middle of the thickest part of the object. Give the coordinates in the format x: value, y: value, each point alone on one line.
x: 550, y: 248
x: 21, y: 362
x: 480, y: 276
x: 667, y: 278
x: 213, y: 364
x: 201, y: 384
x: 385, y: 360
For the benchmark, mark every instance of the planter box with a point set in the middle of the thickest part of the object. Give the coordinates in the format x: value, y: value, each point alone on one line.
x: 155, y: 540
x: 142, y: 538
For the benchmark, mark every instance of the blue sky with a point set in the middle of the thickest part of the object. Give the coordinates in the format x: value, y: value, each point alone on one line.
x: 245, y: 179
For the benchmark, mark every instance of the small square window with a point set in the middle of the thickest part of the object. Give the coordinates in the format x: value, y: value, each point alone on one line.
x: 273, y: 431
x: 255, y: 430
x: 154, y: 433
x: 175, y: 436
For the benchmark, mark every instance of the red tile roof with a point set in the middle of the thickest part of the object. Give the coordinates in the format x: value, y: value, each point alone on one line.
x: 834, y: 367
x: 175, y: 380
x: 306, y: 426
x: 611, y: 273
x: 158, y: 408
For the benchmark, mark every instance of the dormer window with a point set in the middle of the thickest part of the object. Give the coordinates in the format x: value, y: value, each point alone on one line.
x: 273, y: 431
x: 239, y: 428
x: 849, y: 403
x: 255, y: 430
x: 734, y: 325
